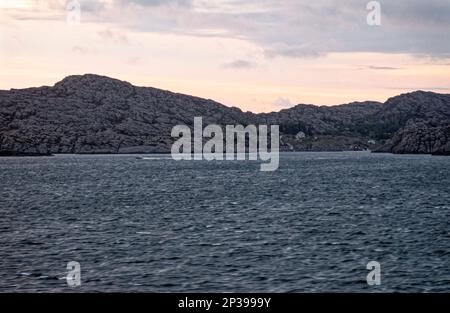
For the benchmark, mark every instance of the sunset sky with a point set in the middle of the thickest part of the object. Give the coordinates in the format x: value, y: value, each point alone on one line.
x: 259, y: 55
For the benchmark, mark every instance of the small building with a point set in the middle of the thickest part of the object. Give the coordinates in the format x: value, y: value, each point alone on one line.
x: 300, y: 136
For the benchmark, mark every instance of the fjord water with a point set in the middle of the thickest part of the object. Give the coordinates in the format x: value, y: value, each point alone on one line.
x: 161, y: 225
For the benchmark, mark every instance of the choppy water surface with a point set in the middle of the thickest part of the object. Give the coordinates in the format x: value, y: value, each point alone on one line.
x: 161, y: 225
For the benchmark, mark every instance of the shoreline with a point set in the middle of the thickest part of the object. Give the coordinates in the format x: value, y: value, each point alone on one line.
x: 26, y: 154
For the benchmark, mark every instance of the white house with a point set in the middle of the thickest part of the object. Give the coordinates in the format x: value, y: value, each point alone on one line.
x: 300, y: 136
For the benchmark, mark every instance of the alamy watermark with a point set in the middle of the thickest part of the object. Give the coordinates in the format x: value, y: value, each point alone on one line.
x: 73, y: 277
x: 374, y: 16
x: 374, y: 276
x: 73, y: 8
x: 236, y: 137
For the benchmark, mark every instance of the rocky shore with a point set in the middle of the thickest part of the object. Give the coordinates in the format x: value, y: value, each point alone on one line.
x: 420, y: 137
x: 22, y: 154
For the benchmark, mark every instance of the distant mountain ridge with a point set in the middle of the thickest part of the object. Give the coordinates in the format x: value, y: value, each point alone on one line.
x: 97, y: 114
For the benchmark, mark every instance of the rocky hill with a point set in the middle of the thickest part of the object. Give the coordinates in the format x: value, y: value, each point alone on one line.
x: 420, y: 137
x: 97, y: 114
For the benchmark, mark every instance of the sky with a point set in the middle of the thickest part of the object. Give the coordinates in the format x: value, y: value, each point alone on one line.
x: 258, y: 55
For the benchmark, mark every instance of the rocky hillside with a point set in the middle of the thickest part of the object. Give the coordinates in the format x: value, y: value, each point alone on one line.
x: 96, y: 114
x: 420, y: 137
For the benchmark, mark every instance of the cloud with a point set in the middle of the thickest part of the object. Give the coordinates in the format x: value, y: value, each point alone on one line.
x: 238, y: 64
x: 431, y: 88
x: 283, y: 102
x: 288, y: 28
x: 133, y: 60
x: 296, y: 51
x: 114, y: 36
x: 79, y: 50
x: 61, y: 5
x: 154, y: 3
x: 387, y: 68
